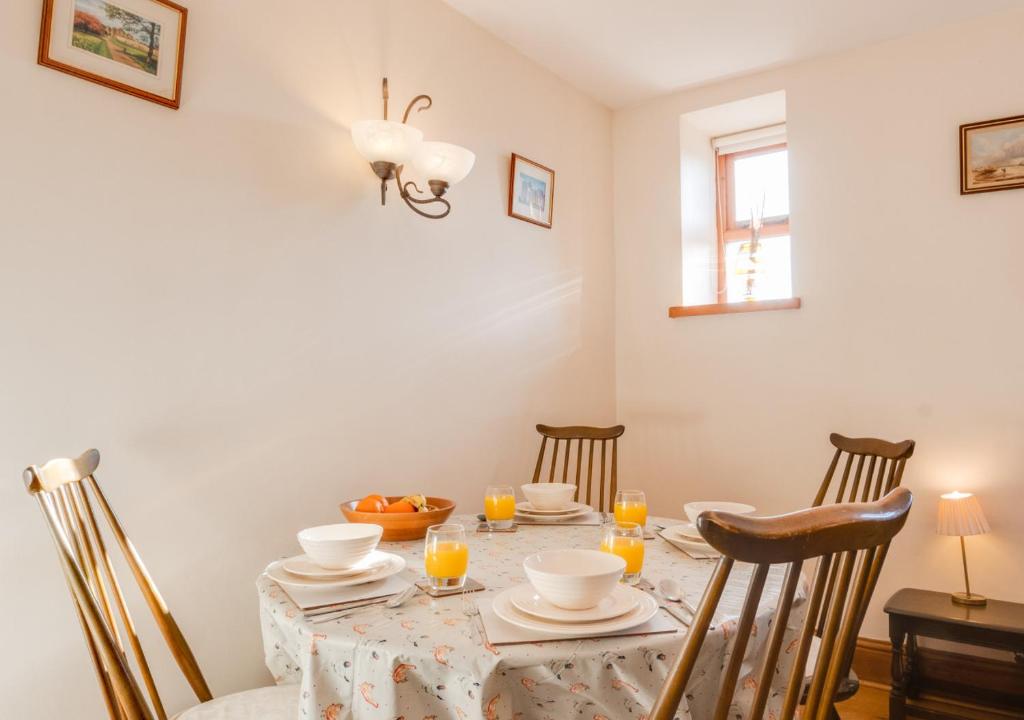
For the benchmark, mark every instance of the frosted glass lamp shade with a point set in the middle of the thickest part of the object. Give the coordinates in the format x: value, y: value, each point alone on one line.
x: 961, y: 514
x: 443, y: 161
x: 385, y: 140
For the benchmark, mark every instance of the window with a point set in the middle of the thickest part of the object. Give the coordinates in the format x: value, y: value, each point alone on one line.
x: 753, y: 225
x: 734, y: 208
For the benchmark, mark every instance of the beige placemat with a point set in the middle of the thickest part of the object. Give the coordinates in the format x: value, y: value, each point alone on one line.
x: 310, y: 598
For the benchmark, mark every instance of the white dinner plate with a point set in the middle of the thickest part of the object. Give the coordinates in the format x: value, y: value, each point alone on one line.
x: 526, y: 599
x: 395, y: 564
x: 646, y: 608
x: 685, y: 531
x: 303, y: 567
x: 525, y: 508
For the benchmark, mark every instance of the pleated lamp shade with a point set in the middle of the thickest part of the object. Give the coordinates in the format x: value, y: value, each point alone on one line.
x: 961, y: 514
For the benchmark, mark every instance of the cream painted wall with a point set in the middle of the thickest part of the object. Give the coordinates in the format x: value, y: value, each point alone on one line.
x: 215, y: 299
x: 912, y: 300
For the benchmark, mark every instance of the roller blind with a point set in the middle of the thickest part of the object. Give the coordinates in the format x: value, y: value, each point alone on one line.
x: 750, y: 139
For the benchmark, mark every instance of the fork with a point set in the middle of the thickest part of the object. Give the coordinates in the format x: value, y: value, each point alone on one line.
x: 391, y: 602
x: 472, y: 611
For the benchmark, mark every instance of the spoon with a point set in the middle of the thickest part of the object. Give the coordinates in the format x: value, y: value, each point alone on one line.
x: 670, y: 589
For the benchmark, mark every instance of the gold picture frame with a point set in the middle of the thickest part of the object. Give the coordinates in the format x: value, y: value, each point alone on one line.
x: 992, y: 155
x: 133, y: 46
x: 531, y: 191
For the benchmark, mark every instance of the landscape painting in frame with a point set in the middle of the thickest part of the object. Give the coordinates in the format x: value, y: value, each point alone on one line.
x: 992, y: 155
x: 135, y: 46
x: 531, y: 191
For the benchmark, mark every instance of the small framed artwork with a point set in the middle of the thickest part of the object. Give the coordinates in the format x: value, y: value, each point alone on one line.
x: 992, y: 155
x: 531, y: 191
x: 135, y: 46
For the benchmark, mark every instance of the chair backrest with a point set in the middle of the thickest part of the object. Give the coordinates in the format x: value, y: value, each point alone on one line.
x: 563, y: 438
x: 884, y: 462
x: 63, y: 488
x: 850, y: 536
x: 870, y: 469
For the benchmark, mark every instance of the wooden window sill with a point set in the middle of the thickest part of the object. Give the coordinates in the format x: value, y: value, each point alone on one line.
x: 678, y: 311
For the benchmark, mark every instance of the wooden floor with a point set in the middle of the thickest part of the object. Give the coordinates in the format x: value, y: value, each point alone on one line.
x: 869, y: 703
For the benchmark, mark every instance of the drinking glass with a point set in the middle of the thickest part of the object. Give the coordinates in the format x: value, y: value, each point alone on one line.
x: 499, y: 506
x: 446, y: 556
x: 631, y: 506
x: 625, y: 539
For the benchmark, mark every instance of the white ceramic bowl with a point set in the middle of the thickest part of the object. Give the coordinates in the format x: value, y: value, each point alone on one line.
x: 574, y: 579
x: 340, y: 546
x: 694, y: 509
x: 549, y: 496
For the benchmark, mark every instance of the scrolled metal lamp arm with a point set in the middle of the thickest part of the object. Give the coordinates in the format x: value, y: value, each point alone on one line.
x: 411, y: 200
x: 408, y: 108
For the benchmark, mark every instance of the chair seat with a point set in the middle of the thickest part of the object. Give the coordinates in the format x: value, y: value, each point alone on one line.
x: 280, y: 702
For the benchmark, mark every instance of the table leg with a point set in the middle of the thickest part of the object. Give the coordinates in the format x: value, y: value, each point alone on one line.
x: 898, y: 691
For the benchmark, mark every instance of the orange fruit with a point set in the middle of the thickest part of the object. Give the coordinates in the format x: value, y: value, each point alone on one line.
x: 372, y: 504
x: 400, y: 507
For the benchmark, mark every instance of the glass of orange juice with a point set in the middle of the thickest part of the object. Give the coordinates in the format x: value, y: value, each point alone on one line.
x: 446, y: 556
x: 625, y: 539
x: 631, y: 506
x: 499, y: 506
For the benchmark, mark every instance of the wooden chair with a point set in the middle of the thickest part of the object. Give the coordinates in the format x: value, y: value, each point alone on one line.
x: 63, y: 488
x: 851, y: 537
x: 564, y: 437
x: 885, y: 464
x: 870, y: 469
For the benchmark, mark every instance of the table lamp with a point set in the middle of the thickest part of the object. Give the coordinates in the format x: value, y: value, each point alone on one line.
x: 960, y: 514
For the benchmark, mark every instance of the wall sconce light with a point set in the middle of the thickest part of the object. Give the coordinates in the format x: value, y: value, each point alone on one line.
x: 388, y: 145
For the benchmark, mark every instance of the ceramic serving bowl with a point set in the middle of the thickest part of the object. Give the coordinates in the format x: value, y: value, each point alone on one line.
x: 402, y: 526
x: 340, y: 546
x: 574, y: 579
x: 549, y: 496
x: 694, y: 509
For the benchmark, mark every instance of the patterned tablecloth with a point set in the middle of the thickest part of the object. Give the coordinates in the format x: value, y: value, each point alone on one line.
x: 425, y: 660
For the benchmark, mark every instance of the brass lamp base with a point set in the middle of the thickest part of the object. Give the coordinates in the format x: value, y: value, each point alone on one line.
x: 968, y: 599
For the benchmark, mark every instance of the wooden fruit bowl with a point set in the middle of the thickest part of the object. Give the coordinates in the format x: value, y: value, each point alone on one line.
x: 401, y: 526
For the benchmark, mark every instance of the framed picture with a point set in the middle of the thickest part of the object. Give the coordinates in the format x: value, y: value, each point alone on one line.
x: 135, y: 46
x: 992, y: 155
x: 531, y: 191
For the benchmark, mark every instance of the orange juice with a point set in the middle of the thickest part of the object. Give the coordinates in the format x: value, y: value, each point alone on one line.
x: 629, y: 549
x: 631, y: 511
x: 499, y: 507
x: 446, y: 559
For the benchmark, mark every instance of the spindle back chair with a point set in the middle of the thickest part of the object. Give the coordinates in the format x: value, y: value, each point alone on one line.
x: 62, y: 488
x: 849, y: 536
x: 563, y: 438
x: 885, y: 464
x: 870, y: 469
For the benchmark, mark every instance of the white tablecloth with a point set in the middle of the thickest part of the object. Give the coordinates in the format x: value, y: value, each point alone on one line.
x: 423, y: 660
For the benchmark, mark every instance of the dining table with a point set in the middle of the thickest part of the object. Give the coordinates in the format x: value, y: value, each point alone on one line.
x: 429, y: 659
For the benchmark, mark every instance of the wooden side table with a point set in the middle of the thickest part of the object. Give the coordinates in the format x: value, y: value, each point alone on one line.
x: 925, y: 613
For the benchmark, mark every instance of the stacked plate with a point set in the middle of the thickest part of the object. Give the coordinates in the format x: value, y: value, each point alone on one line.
x: 625, y: 608
x: 686, y: 535
x: 301, y: 571
x: 574, y: 592
x: 527, y: 510
x: 337, y: 556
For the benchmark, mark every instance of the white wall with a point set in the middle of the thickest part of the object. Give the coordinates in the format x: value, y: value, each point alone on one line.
x: 215, y: 299
x: 912, y: 296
